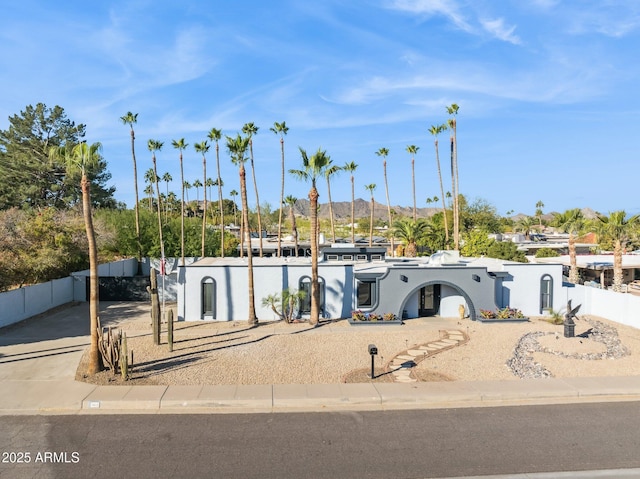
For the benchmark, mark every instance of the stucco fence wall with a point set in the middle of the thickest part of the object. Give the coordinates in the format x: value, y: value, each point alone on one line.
x: 622, y: 308
x: 22, y: 303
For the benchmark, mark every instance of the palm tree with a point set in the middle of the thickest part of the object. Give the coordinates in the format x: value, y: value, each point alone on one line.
x: 371, y: 188
x: 180, y: 145
x: 329, y: 171
x: 167, y: 179
x: 237, y: 148
x: 453, y: 110
x: 620, y: 230
x: 572, y: 222
x: 130, y: 119
x: 383, y: 152
x: 539, y: 206
x: 83, y: 157
x: 280, y: 129
x: 250, y: 129
x: 351, y: 167
x: 215, y: 135
x: 154, y: 146
x: 233, y: 194
x: 410, y: 232
x: 312, y: 168
x: 203, y: 148
x: 525, y: 224
x: 413, y: 149
x: 435, y: 131
x: 291, y: 202
x: 186, y: 186
x: 149, y: 177
x: 197, y: 184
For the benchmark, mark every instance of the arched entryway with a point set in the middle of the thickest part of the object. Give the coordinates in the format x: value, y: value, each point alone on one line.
x: 429, y: 296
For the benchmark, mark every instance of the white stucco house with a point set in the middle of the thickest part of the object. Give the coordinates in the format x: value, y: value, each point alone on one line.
x: 353, y: 277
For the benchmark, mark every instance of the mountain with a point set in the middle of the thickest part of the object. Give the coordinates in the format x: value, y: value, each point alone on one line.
x: 342, y: 210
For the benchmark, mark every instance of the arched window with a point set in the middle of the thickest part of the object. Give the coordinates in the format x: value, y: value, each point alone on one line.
x: 208, y: 299
x: 304, y: 284
x: 546, y: 293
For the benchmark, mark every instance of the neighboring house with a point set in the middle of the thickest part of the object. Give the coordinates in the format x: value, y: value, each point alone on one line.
x: 597, y: 269
x: 363, y: 278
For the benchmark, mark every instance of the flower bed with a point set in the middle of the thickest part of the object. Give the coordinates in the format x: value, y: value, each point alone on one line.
x: 360, y: 317
x: 505, y: 314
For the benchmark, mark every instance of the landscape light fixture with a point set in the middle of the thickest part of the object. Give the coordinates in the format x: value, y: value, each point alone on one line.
x: 373, y: 351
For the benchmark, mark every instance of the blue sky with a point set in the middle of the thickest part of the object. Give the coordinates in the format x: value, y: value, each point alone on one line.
x: 548, y: 90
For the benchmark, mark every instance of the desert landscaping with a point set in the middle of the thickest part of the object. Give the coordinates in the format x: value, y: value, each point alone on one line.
x: 217, y: 353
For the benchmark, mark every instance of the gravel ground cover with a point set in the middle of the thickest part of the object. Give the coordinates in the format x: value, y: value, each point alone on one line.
x: 278, y: 353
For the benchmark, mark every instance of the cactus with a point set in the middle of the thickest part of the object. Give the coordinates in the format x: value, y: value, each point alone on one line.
x: 155, y: 307
x: 108, y: 345
x: 124, y: 359
x: 170, y: 329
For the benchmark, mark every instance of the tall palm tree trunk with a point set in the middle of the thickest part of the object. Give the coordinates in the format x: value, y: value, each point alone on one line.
x: 386, y: 188
x: 573, y: 269
x: 444, y: 204
x: 454, y: 192
x: 137, y: 207
x: 255, y: 187
x: 315, y: 290
x: 182, y: 210
x: 371, y: 222
x: 95, y: 361
x: 617, y: 266
x: 294, y: 228
x: 281, y: 198
x: 353, y: 212
x: 220, y: 202
x: 413, y: 187
x: 204, y: 205
x: 252, y: 319
x: 333, y: 226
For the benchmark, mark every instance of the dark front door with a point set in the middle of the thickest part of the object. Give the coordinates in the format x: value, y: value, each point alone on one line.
x: 429, y: 300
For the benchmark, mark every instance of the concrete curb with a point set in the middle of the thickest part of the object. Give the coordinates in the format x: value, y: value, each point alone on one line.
x: 72, y: 397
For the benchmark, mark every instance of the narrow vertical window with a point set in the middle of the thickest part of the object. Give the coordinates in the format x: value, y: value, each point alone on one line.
x: 305, y: 285
x: 546, y: 293
x: 208, y: 298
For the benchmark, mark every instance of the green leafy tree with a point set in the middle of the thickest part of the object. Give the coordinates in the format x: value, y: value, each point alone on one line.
x: 312, y: 168
x: 524, y: 225
x: 547, y: 253
x: 476, y: 243
x: 506, y: 250
x: 30, y: 179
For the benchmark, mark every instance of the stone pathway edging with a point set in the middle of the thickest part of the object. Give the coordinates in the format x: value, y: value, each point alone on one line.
x: 401, y: 365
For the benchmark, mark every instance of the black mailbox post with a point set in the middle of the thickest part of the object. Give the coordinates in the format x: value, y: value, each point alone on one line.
x: 373, y: 351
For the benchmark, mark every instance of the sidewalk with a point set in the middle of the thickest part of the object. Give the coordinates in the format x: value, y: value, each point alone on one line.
x: 39, y: 357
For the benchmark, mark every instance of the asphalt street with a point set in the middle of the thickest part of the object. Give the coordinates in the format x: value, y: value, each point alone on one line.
x: 391, y: 444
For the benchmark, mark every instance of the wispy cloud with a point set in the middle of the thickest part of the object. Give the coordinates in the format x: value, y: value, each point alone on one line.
x: 499, y: 30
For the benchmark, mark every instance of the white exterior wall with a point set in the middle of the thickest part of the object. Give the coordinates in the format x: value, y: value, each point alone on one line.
x: 522, y: 289
x: 623, y: 308
x: 450, y: 301
x: 232, y: 285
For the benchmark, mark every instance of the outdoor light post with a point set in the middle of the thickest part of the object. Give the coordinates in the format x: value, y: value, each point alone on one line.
x: 373, y: 351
